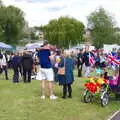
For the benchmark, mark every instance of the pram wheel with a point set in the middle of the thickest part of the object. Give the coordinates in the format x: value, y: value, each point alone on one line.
x: 104, y: 99
x: 88, y: 96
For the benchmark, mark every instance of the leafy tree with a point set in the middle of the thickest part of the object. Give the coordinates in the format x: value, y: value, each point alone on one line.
x: 102, y: 24
x: 63, y: 31
x: 11, y: 24
x: 117, y: 35
x: 1, y: 4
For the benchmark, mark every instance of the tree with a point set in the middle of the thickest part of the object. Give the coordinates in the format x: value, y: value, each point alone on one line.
x: 11, y: 24
x: 1, y: 3
x: 63, y: 31
x: 102, y: 24
x: 117, y: 35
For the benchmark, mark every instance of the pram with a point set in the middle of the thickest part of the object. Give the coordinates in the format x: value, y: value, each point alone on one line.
x: 102, y: 90
x: 97, y: 88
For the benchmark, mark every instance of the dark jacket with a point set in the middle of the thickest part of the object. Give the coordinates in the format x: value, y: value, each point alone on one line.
x: 79, y: 59
x: 27, y: 62
x: 97, y: 60
x: 15, y: 61
x: 86, y: 56
x: 68, y: 78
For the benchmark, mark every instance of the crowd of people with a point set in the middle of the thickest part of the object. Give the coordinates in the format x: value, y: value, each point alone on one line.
x: 58, y: 66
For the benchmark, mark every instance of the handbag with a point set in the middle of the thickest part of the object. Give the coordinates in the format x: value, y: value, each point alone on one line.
x: 61, y: 70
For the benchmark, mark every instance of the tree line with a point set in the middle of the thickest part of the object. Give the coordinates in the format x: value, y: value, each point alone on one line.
x: 62, y: 32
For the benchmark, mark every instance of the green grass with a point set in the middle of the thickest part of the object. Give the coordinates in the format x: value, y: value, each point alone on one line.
x: 22, y: 102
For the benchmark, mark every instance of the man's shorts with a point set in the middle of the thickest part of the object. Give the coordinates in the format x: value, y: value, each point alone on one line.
x: 45, y: 74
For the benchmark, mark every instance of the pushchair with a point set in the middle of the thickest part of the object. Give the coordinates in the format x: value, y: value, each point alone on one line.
x: 103, y: 90
x: 97, y: 88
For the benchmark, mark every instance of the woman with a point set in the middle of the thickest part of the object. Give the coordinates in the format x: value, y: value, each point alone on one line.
x: 67, y: 78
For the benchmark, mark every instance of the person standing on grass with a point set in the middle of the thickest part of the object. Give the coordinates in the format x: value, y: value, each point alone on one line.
x: 88, y: 59
x: 45, y: 74
x: 27, y: 65
x: 1, y: 56
x: 20, y: 65
x: 67, y: 78
x: 15, y: 65
x: 80, y: 62
x: 4, y: 66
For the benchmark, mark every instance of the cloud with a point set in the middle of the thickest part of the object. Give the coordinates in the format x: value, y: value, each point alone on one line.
x: 55, y: 9
x: 32, y: 1
x: 39, y: 12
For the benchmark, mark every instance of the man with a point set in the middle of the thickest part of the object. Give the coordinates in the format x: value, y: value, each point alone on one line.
x: 27, y: 65
x: 3, y: 64
x: 45, y: 73
x: 80, y: 62
x: 88, y: 59
x: 15, y: 65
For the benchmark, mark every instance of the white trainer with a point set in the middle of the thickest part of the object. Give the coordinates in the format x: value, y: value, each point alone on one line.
x: 42, y: 97
x: 53, y: 97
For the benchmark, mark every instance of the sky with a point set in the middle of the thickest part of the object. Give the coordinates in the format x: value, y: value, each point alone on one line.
x: 39, y: 12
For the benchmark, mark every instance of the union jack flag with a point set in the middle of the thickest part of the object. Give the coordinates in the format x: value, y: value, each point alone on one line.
x: 113, y: 60
x: 91, y: 59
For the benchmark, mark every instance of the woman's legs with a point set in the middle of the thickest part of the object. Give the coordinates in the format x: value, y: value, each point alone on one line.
x: 64, y: 91
x: 69, y: 90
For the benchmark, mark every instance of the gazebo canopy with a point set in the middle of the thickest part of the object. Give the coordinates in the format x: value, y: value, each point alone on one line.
x: 5, y: 46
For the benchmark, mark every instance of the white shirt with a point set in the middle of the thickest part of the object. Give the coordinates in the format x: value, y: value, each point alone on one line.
x: 3, y: 61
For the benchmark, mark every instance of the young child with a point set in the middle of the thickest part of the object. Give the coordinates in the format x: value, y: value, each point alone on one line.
x: 98, y: 71
x: 114, y: 79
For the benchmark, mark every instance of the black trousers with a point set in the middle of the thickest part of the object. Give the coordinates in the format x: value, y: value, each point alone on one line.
x: 80, y: 70
x: 55, y: 74
x: 27, y: 75
x: 5, y: 69
x: 67, y: 89
x: 16, y: 75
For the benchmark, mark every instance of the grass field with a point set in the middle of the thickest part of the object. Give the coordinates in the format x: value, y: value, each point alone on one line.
x: 22, y: 102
